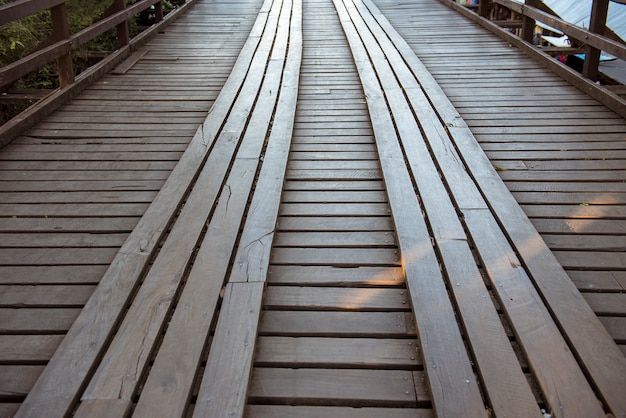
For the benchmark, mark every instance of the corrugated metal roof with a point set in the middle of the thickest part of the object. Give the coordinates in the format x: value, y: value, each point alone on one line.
x: 579, y: 11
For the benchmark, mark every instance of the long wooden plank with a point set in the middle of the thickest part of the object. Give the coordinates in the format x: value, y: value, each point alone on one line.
x: 37, y: 321
x: 128, y: 355
x: 608, y: 373
x: 214, y: 255
x: 17, y: 381
x: 327, y: 275
x: 551, y: 335
x: 28, y: 349
x: 225, y: 383
x: 251, y: 262
x: 448, y: 372
x: 337, y: 324
x: 489, y: 341
x: 345, y: 257
x: 270, y: 411
x: 92, y: 329
x: 337, y: 299
x: 329, y: 352
x: 334, y: 239
x: 46, y: 296
x: 349, y: 387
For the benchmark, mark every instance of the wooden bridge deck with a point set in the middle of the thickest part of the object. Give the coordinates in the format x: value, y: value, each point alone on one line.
x: 329, y: 240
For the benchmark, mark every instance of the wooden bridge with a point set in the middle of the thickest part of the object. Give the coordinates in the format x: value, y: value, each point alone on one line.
x: 311, y: 208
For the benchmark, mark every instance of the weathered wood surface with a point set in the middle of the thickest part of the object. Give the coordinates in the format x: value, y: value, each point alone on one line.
x: 75, y: 186
x: 560, y: 161
x: 334, y: 276
x: 332, y: 242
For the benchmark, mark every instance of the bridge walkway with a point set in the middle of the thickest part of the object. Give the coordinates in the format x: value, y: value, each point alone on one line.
x: 328, y: 240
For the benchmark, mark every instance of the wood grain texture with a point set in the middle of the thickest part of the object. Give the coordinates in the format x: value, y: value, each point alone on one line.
x: 449, y: 372
x: 347, y: 387
x: 92, y: 330
x: 503, y: 205
x: 224, y: 387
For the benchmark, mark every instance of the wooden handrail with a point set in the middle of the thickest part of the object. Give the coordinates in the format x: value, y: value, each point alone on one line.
x: 19, y: 9
x: 585, y: 36
x: 587, y: 85
x: 61, y: 48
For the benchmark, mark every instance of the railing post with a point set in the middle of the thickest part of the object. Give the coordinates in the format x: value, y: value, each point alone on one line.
x: 158, y: 12
x: 528, y: 24
x: 483, y: 8
x: 123, y: 36
x: 599, y: 11
x: 61, y: 31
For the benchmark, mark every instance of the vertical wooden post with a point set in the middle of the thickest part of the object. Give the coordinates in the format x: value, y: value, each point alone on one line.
x: 483, y: 8
x: 599, y: 11
x: 123, y: 36
x: 528, y: 24
x: 60, y: 31
x: 158, y: 12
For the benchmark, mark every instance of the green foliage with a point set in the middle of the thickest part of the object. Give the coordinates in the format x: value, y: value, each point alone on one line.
x: 25, y: 36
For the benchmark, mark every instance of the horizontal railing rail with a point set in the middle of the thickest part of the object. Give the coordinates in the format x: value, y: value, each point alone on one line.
x: 519, y: 30
x: 64, y: 42
x: 580, y: 34
x: 61, y: 46
x: 594, y: 39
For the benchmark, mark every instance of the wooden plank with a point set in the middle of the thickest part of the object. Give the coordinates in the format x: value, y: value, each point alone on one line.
x: 334, y: 209
x: 337, y: 324
x: 447, y: 372
x: 339, y: 257
x: 252, y: 258
x: 339, y: 223
x: 29, y: 349
x: 333, y: 174
x: 579, y: 226
x: 64, y: 210
x: 214, y: 256
x: 91, y: 225
x: 334, y: 239
x: 337, y: 276
x: 17, y: 381
x: 348, y: 387
x: 93, y: 327
x: 53, y: 274
x: 34, y: 240
x: 58, y: 256
x: 129, y: 355
x: 46, y: 296
x: 489, y: 342
x: 572, y: 197
x: 90, y: 185
x: 37, y: 321
x: 522, y: 233
x: 606, y: 303
x: 333, y: 185
x: 597, y: 280
x: 82, y: 175
x: 225, y: 381
x: 270, y: 411
x: 8, y: 409
x: 585, y: 242
x: 338, y: 299
x: 314, y: 352
x: 616, y: 326
x: 328, y: 196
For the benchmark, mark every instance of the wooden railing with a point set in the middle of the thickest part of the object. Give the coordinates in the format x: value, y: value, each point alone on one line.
x: 62, y: 42
x: 592, y: 41
x: 60, y: 46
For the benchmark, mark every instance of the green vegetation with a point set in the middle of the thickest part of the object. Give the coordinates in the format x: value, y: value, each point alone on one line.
x: 20, y: 38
